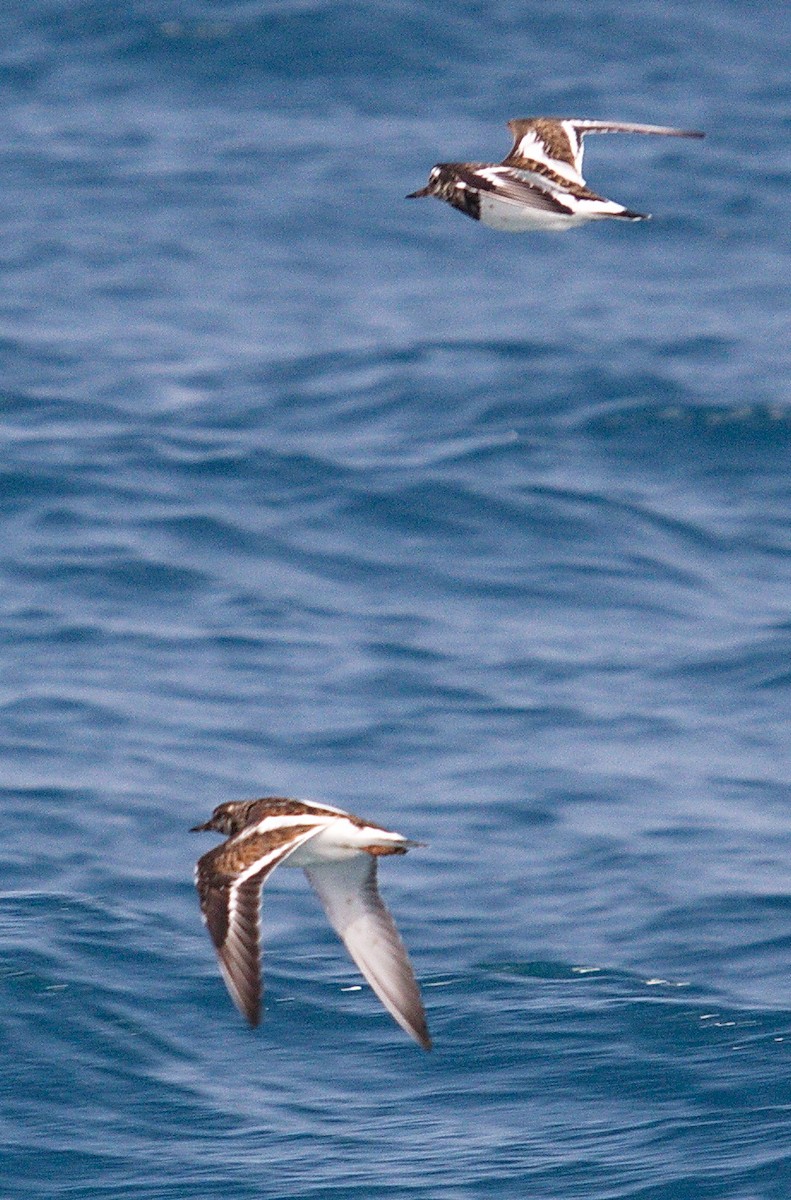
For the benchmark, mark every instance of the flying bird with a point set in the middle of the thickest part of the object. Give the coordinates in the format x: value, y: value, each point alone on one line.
x: 539, y: 184
x: 338, y: 853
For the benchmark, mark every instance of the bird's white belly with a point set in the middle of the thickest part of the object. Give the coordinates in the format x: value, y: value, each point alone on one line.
x: 511, y: 218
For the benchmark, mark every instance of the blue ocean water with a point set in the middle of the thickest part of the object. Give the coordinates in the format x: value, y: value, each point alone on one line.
x: 310, y: 491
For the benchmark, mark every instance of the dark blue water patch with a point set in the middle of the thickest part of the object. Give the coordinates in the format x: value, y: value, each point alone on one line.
x: 745, y: 425
x: 736, y: 936
x: 33, y: 713
x: 762, y: 663
x: 365, y: 386
x: 374, y: 415
x: 326, y: 40
x: 725, y: 442
x: 121, y: 578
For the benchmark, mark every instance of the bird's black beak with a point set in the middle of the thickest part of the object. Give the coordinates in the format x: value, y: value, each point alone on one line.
x: 417, y: 195
x: 201, y: 828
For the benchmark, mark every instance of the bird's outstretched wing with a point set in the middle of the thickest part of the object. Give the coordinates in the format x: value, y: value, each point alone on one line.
x: 549, y: 145
x: 229, y: 880
x: 351, y: 900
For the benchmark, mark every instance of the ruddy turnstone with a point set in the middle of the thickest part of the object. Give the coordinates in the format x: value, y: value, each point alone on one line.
x: 338, y: 853
x: 539, y: 184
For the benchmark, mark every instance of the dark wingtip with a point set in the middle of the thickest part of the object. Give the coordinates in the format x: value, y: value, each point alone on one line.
x: 252, y: 1009
x: 418, y: 1027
